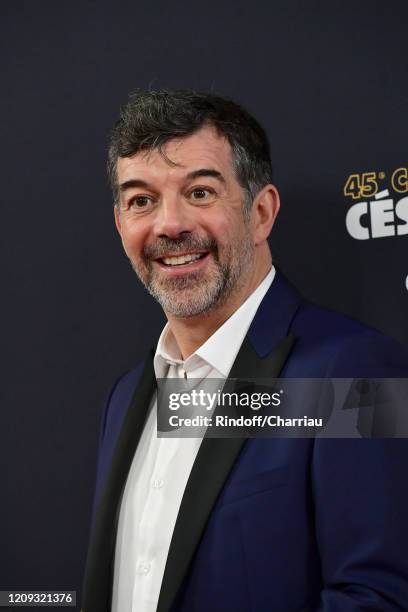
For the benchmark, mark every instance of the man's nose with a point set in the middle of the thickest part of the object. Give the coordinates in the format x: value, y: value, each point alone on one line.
x: 172, y: 218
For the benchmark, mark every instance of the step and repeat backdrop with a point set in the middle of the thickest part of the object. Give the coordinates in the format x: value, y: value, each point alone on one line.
x: 328, y: 80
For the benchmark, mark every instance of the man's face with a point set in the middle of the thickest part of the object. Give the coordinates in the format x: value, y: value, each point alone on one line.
x: 182, y: 224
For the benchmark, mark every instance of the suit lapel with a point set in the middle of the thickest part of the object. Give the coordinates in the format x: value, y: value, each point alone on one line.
x: 214, y: 461
x: 98, y: 574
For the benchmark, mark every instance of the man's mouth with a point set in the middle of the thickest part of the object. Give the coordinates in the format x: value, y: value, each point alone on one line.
x: 181, y: 260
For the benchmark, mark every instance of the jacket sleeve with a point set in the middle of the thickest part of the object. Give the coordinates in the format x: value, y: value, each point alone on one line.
x: 361, y: 502
x: 361, y: 509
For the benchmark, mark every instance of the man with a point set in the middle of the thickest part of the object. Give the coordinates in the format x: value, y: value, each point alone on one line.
x: 233, y: 524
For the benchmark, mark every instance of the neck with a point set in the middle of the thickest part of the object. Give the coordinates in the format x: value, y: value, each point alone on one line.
x: 191, y: 332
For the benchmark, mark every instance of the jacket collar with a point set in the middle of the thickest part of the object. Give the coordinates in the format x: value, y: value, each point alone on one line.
x: 274, y: 316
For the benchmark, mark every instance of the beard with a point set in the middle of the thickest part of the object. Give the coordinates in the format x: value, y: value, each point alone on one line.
x: 200, y: 292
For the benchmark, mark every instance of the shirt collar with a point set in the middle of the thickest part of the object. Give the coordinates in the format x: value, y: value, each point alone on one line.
x: 167, y: 352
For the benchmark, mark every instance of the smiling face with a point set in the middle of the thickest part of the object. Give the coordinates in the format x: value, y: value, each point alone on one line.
x: 182, y: 223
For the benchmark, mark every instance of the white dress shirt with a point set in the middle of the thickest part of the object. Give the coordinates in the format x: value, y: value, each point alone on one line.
x: 161, y: 466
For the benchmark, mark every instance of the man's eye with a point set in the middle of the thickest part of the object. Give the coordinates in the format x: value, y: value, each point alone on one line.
x: 140, y: 201
x: 200, y: 194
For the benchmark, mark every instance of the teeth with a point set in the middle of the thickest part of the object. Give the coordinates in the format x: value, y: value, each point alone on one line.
x: 183, y: 259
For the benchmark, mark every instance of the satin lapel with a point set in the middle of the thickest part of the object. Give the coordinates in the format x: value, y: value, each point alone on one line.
x: 98, y: 574
x: 211, y: 468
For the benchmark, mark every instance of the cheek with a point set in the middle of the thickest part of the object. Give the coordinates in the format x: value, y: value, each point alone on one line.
x: 133, y: 240
x: 221, y: 227
x: 229, y: 231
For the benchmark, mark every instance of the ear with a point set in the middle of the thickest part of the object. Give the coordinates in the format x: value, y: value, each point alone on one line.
x: 265, y: 209
x: 117, y: 219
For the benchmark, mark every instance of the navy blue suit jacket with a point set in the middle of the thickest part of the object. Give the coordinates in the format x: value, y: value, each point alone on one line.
x: 282, y: 525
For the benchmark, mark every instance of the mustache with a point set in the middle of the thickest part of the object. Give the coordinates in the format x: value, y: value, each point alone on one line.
x: 175, y: 246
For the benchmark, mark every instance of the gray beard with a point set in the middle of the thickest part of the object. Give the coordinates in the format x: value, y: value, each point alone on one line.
x: 192, y: 294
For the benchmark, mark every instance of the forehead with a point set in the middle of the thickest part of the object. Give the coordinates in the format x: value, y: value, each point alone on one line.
x: 203, y: 149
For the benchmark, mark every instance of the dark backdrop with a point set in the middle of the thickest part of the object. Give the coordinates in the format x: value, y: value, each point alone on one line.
x: 328, y: 80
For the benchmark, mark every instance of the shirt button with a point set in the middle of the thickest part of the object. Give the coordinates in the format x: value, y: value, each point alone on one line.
x: 158, y: 483
x: 143, y: 568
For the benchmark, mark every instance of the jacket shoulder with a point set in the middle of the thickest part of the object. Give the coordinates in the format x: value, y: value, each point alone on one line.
x: 116, y: 405
x: 344, y: 347
x: 118, y: 401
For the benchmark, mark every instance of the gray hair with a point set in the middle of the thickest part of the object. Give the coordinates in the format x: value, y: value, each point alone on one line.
x: 151, y: 118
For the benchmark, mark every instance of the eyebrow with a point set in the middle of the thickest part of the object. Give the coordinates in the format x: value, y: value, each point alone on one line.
x: 206, y: 172
x: 133, y: 183
x: 202, y: 172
